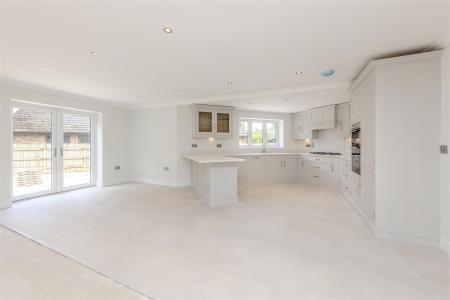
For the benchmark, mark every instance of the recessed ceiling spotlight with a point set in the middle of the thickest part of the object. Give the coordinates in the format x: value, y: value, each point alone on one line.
x: 286, y: 100
x: 95, y: 53
x: 167, y: 30
x: 327, y: 73
x: 299, y: 72
x: 229, y: 82
x: 47, y: 69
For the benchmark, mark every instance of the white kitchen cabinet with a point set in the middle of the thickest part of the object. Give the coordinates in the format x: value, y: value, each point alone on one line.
x: 315, y: 169
x: 274, y: 167
x: 323, y: 117
x: 355, y: 109
x: 301, y: 126
x: 253, y: 169
x: 335, y: 171
x: 212, y: 121
x: 281, y: 167
x: 291, y: 167
x: 343, y: 120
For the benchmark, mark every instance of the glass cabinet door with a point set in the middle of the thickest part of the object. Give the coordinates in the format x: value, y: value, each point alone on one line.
x: 223, y: 122
x: 205, y: 121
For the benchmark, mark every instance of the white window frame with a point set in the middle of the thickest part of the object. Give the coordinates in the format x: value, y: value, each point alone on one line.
x: 278, y: 130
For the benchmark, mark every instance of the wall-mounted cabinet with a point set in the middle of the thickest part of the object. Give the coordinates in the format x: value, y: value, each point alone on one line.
x: 212, y: 121
x: 301, y: 126
x: 343, y: 125
x: 355, y: 109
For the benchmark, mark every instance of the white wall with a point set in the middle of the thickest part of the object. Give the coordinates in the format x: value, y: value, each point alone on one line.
x: 407, y: 129
x: 445, y: 160
x: 115, y: 131
x: 153, y: 135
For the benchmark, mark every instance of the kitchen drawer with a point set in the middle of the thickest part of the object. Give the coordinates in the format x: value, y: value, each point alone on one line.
x: 316, y: 165
x: 315, y: 175
x: 316, y: 158
x: 318, y: 177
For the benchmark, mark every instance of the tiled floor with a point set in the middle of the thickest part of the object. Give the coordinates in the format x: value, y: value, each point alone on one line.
x: 31, y: 271
x: 283, y: 241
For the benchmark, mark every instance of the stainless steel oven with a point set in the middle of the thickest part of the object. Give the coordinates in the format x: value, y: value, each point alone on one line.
x: 356, y: 148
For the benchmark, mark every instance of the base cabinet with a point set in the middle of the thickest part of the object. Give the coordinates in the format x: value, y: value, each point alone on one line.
x: 268, y: 168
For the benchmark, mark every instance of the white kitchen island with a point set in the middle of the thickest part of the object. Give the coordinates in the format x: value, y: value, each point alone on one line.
x: 214, y: 178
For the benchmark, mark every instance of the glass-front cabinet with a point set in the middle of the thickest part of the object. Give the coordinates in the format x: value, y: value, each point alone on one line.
x: 212, y: 121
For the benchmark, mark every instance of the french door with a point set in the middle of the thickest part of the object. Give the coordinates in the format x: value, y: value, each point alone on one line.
x: 53, y: 150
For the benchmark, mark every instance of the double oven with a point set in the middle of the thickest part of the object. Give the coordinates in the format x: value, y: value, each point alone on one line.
x: 356, y: 148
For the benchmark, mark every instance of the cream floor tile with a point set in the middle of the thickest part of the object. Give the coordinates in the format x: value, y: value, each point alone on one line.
x: 282, y: 241
x: 31, y: 271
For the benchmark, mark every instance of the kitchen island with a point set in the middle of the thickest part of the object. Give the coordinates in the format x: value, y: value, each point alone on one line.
x: 214, y: 178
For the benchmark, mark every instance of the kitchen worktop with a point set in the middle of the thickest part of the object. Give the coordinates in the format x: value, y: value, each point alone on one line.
x: 206, y: 158
x: 211, y: 158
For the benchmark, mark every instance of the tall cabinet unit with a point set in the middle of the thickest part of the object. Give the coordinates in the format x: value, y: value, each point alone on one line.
x: 397, y: 102
x: 343, y: 125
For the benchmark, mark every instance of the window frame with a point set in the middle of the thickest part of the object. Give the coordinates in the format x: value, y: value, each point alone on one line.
x: 278, y: 133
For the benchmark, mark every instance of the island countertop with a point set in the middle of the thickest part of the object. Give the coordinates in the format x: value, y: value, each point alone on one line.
x: 211, y: 158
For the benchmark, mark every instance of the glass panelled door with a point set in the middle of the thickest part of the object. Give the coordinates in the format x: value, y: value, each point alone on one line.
x: 52, y: 150
x: 33, y: 151
x: 76, y: 150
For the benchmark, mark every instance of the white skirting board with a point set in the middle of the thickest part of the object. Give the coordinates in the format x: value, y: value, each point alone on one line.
x: 445, y: 246
x: 155, y: 182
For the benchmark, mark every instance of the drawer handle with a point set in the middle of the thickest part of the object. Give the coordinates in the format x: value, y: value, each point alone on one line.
x: 315, y: 167
x: 346, y: 188
x: 316, y: 176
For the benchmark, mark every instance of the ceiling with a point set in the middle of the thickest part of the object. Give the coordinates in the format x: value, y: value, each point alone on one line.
x: 258, y: 46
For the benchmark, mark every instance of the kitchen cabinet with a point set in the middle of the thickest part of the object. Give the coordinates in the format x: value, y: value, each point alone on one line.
x: 268, y: 168
x: 323, y: 117
x: 355, y: 109
x: 335, y: 171
x: 301, y: 126
x: 252, y: 170
x: 212, y: 121
x: 343, y: 126
x: 315, y: 169
x: 281, y: 167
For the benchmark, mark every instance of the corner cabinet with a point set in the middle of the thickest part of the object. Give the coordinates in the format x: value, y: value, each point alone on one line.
x: 212, y: 121
x: 301, y: 126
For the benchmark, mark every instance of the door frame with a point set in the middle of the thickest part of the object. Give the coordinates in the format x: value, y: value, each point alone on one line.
x: 57, y: 142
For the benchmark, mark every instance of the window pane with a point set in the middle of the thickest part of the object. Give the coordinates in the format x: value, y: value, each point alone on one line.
x: 271, y: 138
x: 32, y: 151
x: 77, y: 150
x: 243, y: 133
x: 256, y: 133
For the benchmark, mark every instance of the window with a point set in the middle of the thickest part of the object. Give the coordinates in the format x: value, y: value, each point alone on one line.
x: 257, y: 133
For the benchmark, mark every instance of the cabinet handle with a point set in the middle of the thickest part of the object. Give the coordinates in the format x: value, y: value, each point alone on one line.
x: 318, y: 159
x: 302, y: 163
x: 316, y: 176
x: 55, y: 152
x: 281, y: 163
x: 62, y: 151
x: 316, y: 167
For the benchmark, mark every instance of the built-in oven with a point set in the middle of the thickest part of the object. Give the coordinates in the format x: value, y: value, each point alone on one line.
x: 356, y: 148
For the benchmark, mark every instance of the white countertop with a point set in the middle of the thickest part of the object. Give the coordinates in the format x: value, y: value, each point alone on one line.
x: 212, y: 158
x: 205, y: 158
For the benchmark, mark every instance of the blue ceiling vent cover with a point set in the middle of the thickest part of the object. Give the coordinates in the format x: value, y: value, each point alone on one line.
x: 327, y: 73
